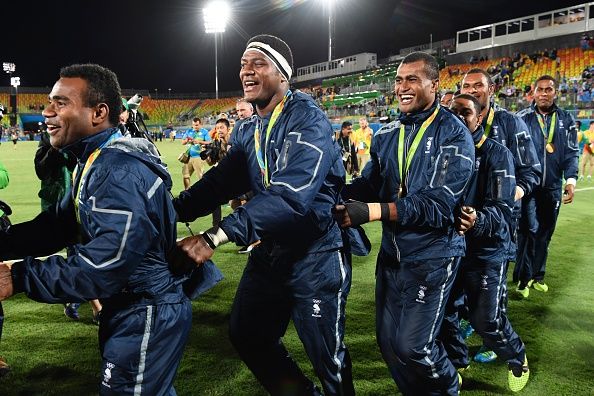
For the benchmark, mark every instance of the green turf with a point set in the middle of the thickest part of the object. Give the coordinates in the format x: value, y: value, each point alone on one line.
x: 52, y: 355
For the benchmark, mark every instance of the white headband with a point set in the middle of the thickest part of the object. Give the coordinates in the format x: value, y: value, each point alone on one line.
x: 275, y: 57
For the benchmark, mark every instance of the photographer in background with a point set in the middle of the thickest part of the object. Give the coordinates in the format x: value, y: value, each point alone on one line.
x: 214, y: 152
x: 348, y: 149
x: 196, y: 137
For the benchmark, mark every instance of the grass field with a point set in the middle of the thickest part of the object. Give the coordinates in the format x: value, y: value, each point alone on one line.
x: 52, y: 355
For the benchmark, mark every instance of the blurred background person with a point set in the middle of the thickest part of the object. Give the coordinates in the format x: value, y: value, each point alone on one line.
x: 196, y: 138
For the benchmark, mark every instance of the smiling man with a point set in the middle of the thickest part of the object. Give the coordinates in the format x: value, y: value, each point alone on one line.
x: 285, y: 154
x: 420, y: 165
x: 121, y: 221
x: 555, y: 138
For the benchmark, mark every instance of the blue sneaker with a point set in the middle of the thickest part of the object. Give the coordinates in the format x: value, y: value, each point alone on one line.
x: 71, y: 310
x: 466, y: 329
x: 484, y: 355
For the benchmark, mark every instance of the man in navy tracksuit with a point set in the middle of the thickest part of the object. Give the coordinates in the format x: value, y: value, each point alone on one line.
x: 120, y: 218
x: 285, y: 154
x: 485, y: 219
x: 509, y: 130
x: 555, y: 138
x: 419, y: 168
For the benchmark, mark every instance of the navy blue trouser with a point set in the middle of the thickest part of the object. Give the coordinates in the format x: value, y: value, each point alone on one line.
x: 540, y: 210
x: 141, y: 347
x: 312, y: 290
x: 410, y: 304
x: 484, y: 284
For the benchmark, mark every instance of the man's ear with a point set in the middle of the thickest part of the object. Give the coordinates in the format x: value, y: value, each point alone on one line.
x: 435, y: 86
x: 100, y: 113
x: 480, y: 118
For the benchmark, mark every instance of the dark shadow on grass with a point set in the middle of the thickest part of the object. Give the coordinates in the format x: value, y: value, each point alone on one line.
x: 64, y: 380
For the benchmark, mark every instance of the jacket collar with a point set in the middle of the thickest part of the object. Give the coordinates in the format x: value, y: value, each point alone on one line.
x: 553, y: 108
x: 478, y: 134
x: 417, y: 117
x: 82, y: 148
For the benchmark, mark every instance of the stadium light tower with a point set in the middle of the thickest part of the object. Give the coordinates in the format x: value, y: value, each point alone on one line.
x: 216, y: 15
x: 330, y: 5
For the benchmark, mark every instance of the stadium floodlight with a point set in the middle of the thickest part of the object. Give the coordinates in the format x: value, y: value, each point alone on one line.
x: 216, y: 15
x: 8, y: 67
x: 330, y: 5
x: 15, y: 81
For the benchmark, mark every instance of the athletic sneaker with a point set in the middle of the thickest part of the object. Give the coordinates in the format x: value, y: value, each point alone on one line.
x: 517, y: 376
x: 540, y: 286
x: 466, y: 329
x: 245, y: 249
x: 4, y: 368
x: 71, y: 310
x: 523, y: 290
x: 484, y: 355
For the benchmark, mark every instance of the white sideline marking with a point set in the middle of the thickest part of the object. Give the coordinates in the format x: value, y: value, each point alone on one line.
x: 583, y: 189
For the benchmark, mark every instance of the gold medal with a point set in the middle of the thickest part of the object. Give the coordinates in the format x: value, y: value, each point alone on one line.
x: 550, y: 148
x: 401, y: 191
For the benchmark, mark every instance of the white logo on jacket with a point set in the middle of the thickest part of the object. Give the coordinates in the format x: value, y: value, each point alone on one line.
x: 421, y: 294
x: 316, y: 308
x: 428, y: 144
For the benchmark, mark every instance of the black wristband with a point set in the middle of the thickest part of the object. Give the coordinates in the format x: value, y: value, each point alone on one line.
x: 358, y: 212
x: 385, y: 211
x: 208, y: 240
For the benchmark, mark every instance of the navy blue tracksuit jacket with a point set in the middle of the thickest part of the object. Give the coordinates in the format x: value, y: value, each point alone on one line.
x: 482, y: 272
x: 300, y: 270
x: 127, y: 228
x: 541, y: 208
x: 511, y: 131
x: 420, y: 252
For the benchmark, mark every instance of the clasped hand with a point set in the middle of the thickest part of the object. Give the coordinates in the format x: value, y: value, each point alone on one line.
x: 196, y: 248
x: 466, y: 220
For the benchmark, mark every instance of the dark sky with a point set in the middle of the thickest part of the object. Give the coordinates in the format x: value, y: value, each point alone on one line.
x: 161, y: 44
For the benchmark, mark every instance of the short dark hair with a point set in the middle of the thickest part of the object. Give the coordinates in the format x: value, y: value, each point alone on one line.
x: 346, y: 124
x: 223, y: 121
x: 546, y: 77
x: 102, y: 87
x: 475, y: 102
x: 196, y: 119
x: 431, y: 66
x: 477, y: 70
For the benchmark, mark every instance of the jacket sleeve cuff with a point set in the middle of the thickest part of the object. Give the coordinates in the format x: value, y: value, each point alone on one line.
x: 17, y: 272
x: 400, y: 211
x: 571, y: 181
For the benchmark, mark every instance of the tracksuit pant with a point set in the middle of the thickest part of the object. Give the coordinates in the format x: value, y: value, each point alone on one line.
x: 540, y: 210
x: 410, y: 305
x: 141, y: 346
x: 312, y: 291
x: 484, y: 284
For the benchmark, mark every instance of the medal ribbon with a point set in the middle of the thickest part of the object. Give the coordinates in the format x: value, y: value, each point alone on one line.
x: 404, y: 163
x: 85, y: 170
x: 490, y: 118
x: 543, y: 126
x: 261, y: 155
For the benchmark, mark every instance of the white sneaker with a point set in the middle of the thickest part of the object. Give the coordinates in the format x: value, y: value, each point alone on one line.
x: 245, y: 249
